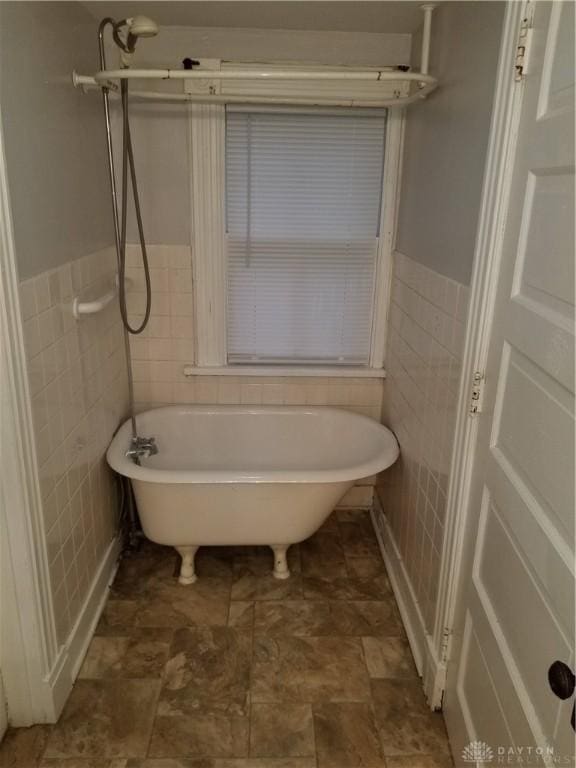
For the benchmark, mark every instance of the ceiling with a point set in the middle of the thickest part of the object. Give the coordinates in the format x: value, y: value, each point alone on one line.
x: 343, y: 15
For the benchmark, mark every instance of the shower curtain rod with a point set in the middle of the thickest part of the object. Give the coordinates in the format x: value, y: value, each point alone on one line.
x: 378, y: 75
x: 425, y: 83
x: 319, y: 99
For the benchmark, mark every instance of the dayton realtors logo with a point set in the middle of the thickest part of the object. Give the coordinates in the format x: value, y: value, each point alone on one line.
x: 477, y: 752
x: 480, y: 753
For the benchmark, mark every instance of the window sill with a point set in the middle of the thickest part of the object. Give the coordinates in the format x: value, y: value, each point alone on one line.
x: 332, y: 372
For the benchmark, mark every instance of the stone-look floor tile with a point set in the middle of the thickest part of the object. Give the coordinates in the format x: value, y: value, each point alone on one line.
x: 209, y: 762
x: 170, y: 762
x: 212, y: 733
x: 118, y: 617
x: 347, y: 588
x: 241, y: 614
x: 330, y: 525
x: 359, y: 539
x: 309, y: 669
x: 146, y: 592
x: 253, y: 586
x: 281, y: 730
x: 138, y: 570
x: 405, y: 724
x: 81, y: 762
x: 208, y: 670
x: 203, y: 603
x: 336, y: 618
x: 365, y: 567
x: 269, y: 762
x: 167, y: 603
x: 253, y: 580
x: 119, y: 620
x: 105, y: 718
x: 261, y: 559
x: 357, y: 516
x: 388, y: 657
x: 322, y: 555
x: 318, y: 636
x: 23, y: 747
x: 346, y: 736
x: 420, y: 761
x: 141, y: 655
x: 214, y: 562
x: 405, y: 695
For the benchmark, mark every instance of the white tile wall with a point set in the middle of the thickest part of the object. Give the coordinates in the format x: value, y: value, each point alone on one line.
x: 77, y: 378
x: 167, y: 344
x: 423, y: 362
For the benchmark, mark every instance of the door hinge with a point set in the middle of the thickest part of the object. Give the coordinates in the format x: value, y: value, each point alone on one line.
x: 523, y: 47
x: 476, y: 394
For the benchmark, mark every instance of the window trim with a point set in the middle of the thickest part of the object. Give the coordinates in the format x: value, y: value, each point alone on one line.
x: 303, y: 371
x: 386, y: 240
x: 208, y: 178
x: 208, y: 194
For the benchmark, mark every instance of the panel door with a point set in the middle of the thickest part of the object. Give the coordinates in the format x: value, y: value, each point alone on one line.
x: 515, y: 612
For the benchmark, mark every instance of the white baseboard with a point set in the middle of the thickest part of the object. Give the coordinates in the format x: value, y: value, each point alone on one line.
x: 71, y: 655
x: 429, y: 667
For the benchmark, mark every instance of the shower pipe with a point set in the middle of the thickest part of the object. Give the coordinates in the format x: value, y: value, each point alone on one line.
x: 139, y: 444
x: 120, y: 219
x: 117, y: 239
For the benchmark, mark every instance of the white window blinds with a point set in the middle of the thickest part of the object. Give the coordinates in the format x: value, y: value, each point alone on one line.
x: 303, y: 193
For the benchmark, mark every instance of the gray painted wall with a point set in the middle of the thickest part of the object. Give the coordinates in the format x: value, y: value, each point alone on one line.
x: 446, y: 140
x: 55, y: 149
x: 53, y: 134
x: 242, y: 44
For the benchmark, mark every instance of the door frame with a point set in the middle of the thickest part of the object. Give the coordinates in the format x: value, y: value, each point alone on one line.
x: 488, y: 250
x: 28, y: 640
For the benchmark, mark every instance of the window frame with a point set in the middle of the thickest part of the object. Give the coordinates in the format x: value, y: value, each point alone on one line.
x: 207, y: 123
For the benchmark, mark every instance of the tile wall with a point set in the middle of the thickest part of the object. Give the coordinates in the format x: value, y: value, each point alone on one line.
x: 167, y: 344
x: 423, y: 363
x: 77, y: 380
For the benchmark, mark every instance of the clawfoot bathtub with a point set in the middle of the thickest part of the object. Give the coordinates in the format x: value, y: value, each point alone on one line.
x: 247, y: 475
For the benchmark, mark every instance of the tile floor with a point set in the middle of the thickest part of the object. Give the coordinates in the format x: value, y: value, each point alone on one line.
x: 243, y: 671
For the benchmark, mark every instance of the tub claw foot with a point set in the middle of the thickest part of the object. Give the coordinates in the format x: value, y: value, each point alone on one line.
x: 187, y: 573
x: 281, y: 570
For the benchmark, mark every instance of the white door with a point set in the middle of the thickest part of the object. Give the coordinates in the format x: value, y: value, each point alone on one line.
x: 515, y: 614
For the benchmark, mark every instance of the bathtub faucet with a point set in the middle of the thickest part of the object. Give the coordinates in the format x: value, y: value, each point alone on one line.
x: 142, y: 446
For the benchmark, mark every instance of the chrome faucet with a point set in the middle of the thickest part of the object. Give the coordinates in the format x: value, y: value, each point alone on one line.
x: 142, y: 446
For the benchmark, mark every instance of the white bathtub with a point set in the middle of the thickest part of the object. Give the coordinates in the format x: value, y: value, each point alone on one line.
x: 233, y: 475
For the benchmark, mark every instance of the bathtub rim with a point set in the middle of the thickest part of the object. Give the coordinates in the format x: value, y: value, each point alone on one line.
x: 123, y: 465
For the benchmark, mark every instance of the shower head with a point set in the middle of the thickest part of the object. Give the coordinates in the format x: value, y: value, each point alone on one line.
x: 142, y: 26
x: 132, y: 29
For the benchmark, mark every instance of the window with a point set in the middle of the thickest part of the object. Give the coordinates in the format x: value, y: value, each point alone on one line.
x: 303, y: 201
